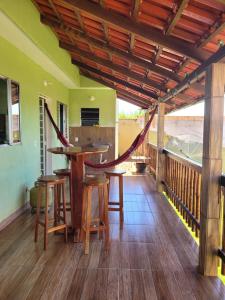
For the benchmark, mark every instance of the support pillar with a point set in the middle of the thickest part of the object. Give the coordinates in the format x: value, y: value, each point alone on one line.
x: 146, y: 141
x: 160, y: 160
x: 211, y: 169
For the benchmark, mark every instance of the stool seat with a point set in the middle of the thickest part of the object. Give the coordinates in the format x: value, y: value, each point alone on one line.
x: 50, y: 178
x: 95, y: 180
x: 115, y: 172
x: 62, y: 172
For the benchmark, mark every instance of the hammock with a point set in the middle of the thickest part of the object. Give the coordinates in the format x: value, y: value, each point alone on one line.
x: 60, y: 136
x: 136, y: 143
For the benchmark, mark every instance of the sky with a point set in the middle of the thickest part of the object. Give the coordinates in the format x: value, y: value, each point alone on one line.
x: 194, y: 110
x: 126, y: 107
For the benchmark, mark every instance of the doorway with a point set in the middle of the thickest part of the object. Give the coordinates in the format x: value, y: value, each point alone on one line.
x: 45, y: 139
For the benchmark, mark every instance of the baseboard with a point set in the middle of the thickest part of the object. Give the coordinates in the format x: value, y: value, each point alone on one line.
x: 13, y: 216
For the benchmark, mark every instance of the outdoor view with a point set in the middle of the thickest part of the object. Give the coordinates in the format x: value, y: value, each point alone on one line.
x: 183, y: 129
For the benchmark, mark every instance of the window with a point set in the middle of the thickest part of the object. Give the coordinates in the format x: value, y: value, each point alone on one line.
x: 62, y: 118
x: 89, y: 116
x: 9, y: 112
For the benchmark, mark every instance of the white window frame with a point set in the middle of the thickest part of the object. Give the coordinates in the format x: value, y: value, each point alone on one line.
x: 9, y: 106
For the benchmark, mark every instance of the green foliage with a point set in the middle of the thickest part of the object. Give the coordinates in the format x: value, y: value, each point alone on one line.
x: 132, y: 115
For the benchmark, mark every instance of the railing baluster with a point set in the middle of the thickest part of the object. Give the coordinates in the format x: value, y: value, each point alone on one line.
x: 182, y: 184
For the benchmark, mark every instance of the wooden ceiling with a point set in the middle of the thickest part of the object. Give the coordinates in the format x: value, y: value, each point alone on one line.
x: 145, y: 49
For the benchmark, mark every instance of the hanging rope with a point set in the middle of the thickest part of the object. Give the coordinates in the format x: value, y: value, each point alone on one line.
x: 136, y: 143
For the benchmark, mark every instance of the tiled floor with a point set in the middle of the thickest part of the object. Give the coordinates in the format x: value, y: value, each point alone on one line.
x: 153, y: 257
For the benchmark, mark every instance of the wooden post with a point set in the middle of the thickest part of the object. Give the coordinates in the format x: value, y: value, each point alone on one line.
x: 211, y: 169
x: 146, y: 141
x: 160, y: 161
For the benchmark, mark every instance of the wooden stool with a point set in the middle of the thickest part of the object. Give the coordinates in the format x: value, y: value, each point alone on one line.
x: 117, y: 205
x: 65, y: 173
x: 102, y: 223
x: 58, y: 185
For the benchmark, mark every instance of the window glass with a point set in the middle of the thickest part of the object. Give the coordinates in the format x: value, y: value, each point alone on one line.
x: 9, y: 112
x: 4, y: 118
x: 15, y: 112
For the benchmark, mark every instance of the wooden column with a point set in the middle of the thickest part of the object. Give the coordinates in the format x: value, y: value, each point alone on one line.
x: 146, y: 141
x: 160, y: 145
x: 211, y: 170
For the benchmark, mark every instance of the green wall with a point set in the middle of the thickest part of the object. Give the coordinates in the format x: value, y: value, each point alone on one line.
x: 105, y: 100
x: 20, y: 164
x: 26, y: 16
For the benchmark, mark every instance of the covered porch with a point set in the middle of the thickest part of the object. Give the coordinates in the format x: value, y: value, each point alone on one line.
x: 77, y: 58
x: 153, y: 257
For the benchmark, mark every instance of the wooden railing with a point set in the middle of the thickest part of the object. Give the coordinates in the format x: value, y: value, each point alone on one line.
x: 182, y: 182
x: 151, y: 154
x: 183, y: 186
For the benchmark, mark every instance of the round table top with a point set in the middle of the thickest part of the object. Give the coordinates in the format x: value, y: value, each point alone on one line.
x: 79, y: 150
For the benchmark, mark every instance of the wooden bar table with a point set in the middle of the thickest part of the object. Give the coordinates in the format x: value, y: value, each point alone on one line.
x: 77, y: 157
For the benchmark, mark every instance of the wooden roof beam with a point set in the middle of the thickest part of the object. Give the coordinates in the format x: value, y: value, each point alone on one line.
x: 130, y: 100
x: 195, y: 75
x: 113, y: 51
x: 115, y: 79
x: 120, y: 69
x: 144, y: 31
x: 180, y: 8
x: 59, y: 18
x: 214, y: 30
x: 136, y: 100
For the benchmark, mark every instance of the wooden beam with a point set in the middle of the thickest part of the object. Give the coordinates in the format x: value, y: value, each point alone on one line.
x: 214, y: 30
x: 211, y: 170
x: 180, y: 8
x: 115, y: 79
x: 144, y: 31
x: 59, y: 18
x: 126, y: 56
x: 135, y: 8
x: 147, y: 102
x: 222, y: 1
x: 195, y: 75
x: 134, y: 15
x: 160, y: 159
x: 120, y: 69
x: 111, y: 50
x: 131, y: 100
x: 135, y: 100
x: 138, y: 100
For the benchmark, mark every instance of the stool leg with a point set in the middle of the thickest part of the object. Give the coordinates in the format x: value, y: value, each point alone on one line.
x: 56, y: 208
x: 100, y: 207
x: 84, y: 208
x: 121, y: 201
x: 109, y: 177
x: 37, y: 214
x: 59, y: 204
x: 46, y: 218
x: 64, y: 211
x: 106, y: 215
x: 88, y: 221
